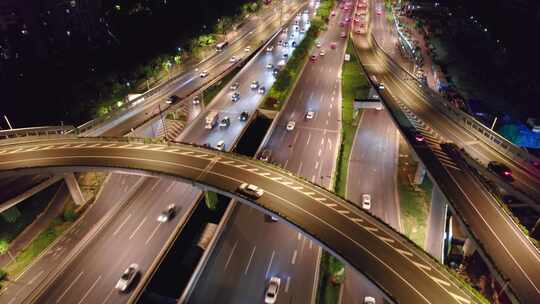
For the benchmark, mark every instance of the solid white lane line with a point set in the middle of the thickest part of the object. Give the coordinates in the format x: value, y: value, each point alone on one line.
x: 320, y: 151
x: 299, y: 236
x: 287, y: 284
x: 322, y: 141
x: 313, y: 179
x: 293, y: 260
x: 250, y: 258
x: 121, y: 225
x: 108, y: 296
x: 89, y: 290
x: 230, y: 255
x: 308, y: 138
x: 138, y: 227
x: 270, y: 264
x: 316, y: 165
x: 170, y: 187
x: 300, y: 168
x: 152, y: 234
x: 69, y: 287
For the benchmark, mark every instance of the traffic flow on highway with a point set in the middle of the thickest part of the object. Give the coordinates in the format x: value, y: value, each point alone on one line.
x: 283, y: 213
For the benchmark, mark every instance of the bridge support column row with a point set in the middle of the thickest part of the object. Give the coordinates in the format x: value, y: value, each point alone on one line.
x: 74, y: 189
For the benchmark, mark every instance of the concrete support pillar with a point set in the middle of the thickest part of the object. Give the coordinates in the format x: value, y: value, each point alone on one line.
x: 74, y: 189
x: 469, y: 247
x: 419, y: 175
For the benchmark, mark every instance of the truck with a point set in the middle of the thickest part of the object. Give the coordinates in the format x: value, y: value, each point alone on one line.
x: 211, y: 120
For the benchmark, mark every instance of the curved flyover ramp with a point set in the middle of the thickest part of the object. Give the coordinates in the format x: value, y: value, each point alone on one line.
x: 406, y: 273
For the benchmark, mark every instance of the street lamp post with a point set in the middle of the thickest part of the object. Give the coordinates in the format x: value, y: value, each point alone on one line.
x: 9, y: 124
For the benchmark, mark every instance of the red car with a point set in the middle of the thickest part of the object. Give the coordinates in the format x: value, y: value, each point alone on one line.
x: 313, y: 58
x: 343, y: 35
x: 333, y: 45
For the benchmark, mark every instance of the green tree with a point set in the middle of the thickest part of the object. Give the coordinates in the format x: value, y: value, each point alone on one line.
x: 211, y: 200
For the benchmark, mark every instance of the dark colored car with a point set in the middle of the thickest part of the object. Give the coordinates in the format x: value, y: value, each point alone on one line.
x: 244, y: 116
x: 500, y: 169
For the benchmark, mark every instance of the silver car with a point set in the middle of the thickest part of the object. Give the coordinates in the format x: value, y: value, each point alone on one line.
x: 127, y: 277
x: 167, y: 214
x: 250, y: 190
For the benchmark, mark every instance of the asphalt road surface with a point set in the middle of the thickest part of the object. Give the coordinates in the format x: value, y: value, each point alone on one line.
x: 133, y: 236
x: 373, y: 171
x: 271, y: 248
x: 509, y: 249
x: 53, y: 257
x: 146, y: 253
x: 257, y: 31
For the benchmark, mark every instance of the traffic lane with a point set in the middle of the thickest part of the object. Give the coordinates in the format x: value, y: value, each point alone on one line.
x: 149, y: 240
x: 521, y: 260
x: 240, y: 260
x: 69, y: 283
x: 130, y: 235
x: 373, y: 153
x: 377, y: 259
x: 356, y: 287
x: 256, y: 70
x: 418, y: 102
x: 168, y: 161
x: 188, y: 83
x: 516, y: 258
x: 35, y: 274
x: 372, y: 166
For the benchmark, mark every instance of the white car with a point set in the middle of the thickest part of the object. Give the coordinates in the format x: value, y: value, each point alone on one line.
x: 204, y: 73
x: 250, y: 190
x: 247, y: 49
x: 272, y: 290
x: 322, y: 53
x: 381, y: 86
x: 220, y: 145
x: 233, y: 59
x: 318, y: 44
x: 290, y: 125
x: 127, y: 277
x: 167, y: 214
x: 281, y: 63
x: 369, y: 300
x: 366, y: 201
x: 262, y: 90
x: 269, y: 66
x: 310, y: 114
x: 196, y: 100
x: 235, y: 86
x: 270, y: 48
x: 254, y: 84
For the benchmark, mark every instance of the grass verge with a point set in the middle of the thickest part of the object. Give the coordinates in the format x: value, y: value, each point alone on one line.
x: 354, y: 84
x: 415, y: 200
x: 212, y: 91
x: 44, y: 239
x: 332, y: 275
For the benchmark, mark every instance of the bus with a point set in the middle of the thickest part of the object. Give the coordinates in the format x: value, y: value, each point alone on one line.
x: 220, y: 46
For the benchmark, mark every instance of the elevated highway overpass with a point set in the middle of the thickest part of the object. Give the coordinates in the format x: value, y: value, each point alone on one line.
x: 506, y: 248
x: 402, y: 270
